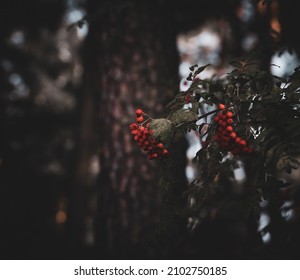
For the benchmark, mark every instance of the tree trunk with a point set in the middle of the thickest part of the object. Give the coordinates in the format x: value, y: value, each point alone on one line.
x: 136, y: 67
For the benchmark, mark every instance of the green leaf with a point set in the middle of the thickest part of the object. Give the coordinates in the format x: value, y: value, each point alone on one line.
x: 190, y: 77
x: 183, y: 116
x: 201, y: 69
x: 287, y: 163
x: 195, y: 107
x: 236, y: 64
x: 162, y: 129
x: 176, y: 104
x: 192, y: 68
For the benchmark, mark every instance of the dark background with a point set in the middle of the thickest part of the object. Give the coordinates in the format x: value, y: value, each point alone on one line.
x: 72, y: 182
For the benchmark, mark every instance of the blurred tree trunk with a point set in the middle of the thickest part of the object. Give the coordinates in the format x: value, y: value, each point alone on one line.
x: 133, y: 57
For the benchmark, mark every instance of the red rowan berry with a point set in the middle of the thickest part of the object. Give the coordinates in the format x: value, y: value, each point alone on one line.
x: 220, y: 129
x: 230, y: 121
x: 160, y: 145
x: 229, y: 128
x: 243, y: 143
x: 238, y: 140
x: 221, y: 106
x: 224, y: 132
x: 223, y: 117
x: 216, y: 118
x: 165, y: 152
x: 133, y: 126
x: 224, y: 123
x: 187, y: 98
x: 226, y: 138
x: 139, y: 119
x: 233, y: 135
x: 139, y: 112
x: 150, y: 156
x: 229, y: 114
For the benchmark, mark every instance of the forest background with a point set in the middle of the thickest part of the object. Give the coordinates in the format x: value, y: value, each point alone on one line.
x: 73, y: 182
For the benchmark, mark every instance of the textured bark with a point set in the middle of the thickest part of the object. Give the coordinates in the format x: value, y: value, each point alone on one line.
x: 136, y: 66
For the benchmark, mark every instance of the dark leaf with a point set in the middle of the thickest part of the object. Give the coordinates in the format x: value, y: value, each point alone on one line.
x: 192, y: 68
x: 201, y: 69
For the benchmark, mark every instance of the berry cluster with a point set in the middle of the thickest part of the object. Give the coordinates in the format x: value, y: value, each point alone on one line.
x: 142, y: 135
x: 226, y: 136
